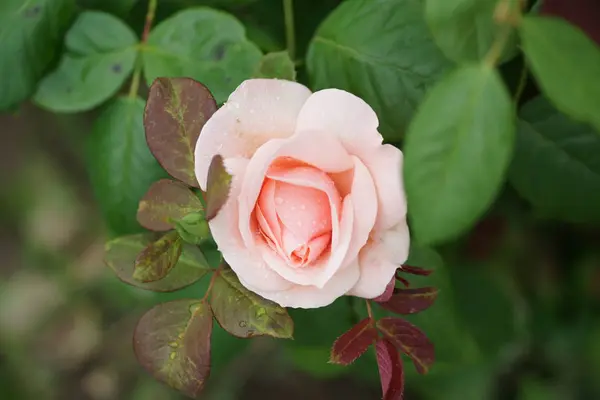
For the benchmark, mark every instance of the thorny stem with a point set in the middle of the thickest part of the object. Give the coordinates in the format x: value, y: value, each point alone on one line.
x: 288, y: 14
x: 137, y: 73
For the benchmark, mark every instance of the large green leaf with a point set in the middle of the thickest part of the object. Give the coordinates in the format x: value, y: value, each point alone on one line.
x: 457, y: 150
x: 381, y: 51
x: 276, y: 65
x: 30, y: 32
x: 121, y: 166
x: 117, y: 7
x: 464, y: 29
x: 556, y: 165
x: 565, y: 63
x: 100, y: 56
x: 207, y: 45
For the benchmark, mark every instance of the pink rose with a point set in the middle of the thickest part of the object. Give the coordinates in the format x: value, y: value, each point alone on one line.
x: 317, y: 208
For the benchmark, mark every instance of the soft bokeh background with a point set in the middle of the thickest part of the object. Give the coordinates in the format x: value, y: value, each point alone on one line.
x: 518, y: 315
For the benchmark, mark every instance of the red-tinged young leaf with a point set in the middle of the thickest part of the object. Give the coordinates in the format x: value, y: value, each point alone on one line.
x: 176, y: 111
x: 388, y: 292
x: 415, y: 270
x: 411, y: 301
x: 166, y: 200
x: 245, y: 314
x: 172, y: 342
x: 217, y: 187
x: 353, y: 343
x: 122, y: 252
x: 391, y: 370
x: 158, y: 258
x: 410, y: 340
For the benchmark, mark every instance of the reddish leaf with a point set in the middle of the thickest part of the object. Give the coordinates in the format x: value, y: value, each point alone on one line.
x: 176, y: 111
x: 122, y: 252
x: 388, y: 292
x: 166, y: 200
x: 415, y: 270
x: 245, y: 314
x: 217, y: 187
x: 353, y: 343
x: 158, y: 258
x: 391, y: 370
x: 172, y: 342
x: 410, y: 340
x: 410, y: 301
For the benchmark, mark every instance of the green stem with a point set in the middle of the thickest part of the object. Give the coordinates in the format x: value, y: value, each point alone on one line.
x: 288, y: 14
x: 521, y: 85
x: 137, y: 73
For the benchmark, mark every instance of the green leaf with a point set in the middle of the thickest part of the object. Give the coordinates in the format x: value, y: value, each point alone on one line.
x: 455, y: 162
x: 100, y: 56
x: 204, y: 44
x: 176, y: 111
x: 244, y: 313
x: 193, y: 228
x: 556, y: 165
x: 381, y: 51
x: 30, y: 32
x: 122, y: 252
x: 276, y: 65
x: 465, y: 29
x: 217, y: 187
x: 158, y: 258
x: 165, y: 201
x: 565, y: 63
x: 172, y: 342
x: 116, y: 7
x: 121, y: 166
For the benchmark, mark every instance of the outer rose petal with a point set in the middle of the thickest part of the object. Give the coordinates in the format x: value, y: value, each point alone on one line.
x: 247, y: 263
x: 379, y: 260
x: 258, y: 110
x: 345, y: 115
x: 385, y: 165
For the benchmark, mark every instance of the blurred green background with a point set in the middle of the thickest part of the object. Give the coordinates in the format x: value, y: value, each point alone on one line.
x: 518, y: 315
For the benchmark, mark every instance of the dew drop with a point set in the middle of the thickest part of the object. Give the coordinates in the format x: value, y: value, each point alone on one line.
x: 278, y: 200
x: 303, y: 207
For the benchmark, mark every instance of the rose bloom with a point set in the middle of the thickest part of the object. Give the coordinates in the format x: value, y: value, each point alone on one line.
x: 317, y: 208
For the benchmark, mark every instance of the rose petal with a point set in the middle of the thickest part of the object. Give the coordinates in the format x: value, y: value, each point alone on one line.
x: 246, y: 263
x: 379, y: 260
x: 258, y: 110
x: 342, y: 113
x: 266, y: 204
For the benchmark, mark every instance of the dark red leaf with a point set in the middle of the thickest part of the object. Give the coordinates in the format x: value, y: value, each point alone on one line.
x: 583, y: 13
x: 172, y: 342
x: 166, y: 200
x: 217, y: 187
x: 410, y: 340
x: 353, y: 343
x: 411, y: 301
x: 387, y: 293
x: 415, y: 270
x: 391, y: 371
x: 176, y: 111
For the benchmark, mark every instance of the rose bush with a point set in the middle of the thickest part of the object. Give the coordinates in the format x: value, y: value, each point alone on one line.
x: 317, y: 207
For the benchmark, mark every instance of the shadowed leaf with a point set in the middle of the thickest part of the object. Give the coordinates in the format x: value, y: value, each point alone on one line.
x: 411, y: 301
x: 172, y: 342
x: 176, y: 111
x: 217, y: 187
x: 410, y: 340
x: 277, y: 65
x: 164, y: 201
x: 121, y: 254
x: 391, y: 371
x: 244, y: 313
x: 158, y: 258
x: 353, y: 343
x: 415, y: 270
x: 388, y: 292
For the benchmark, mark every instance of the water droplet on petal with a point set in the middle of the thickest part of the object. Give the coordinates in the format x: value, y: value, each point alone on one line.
x: 278, y: 200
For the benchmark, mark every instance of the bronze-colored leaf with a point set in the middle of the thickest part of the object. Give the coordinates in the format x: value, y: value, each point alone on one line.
x: 166, y: 200
x: 172, y: 342
x: 353, y: 343
x: 122, y: 252
x: 245, y: 314
x: 176, y: 111
x: 158, y: 258
x: 217, y: 188
x: 391, y: 370
x: 410, y: 340
x: 410, y: 301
